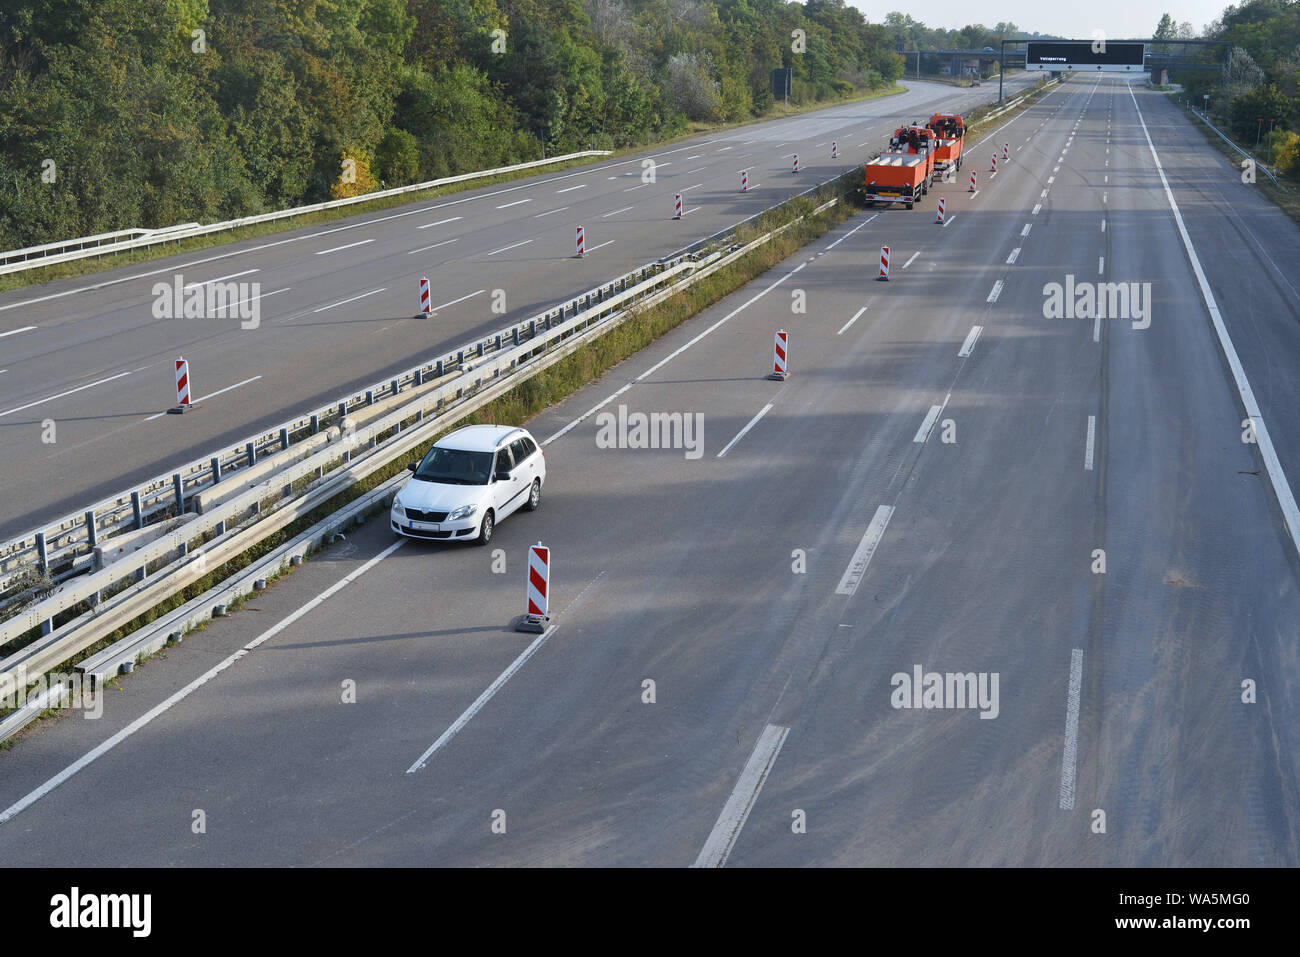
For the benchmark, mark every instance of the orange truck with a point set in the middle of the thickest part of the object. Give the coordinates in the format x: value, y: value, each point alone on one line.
x: 904, y: 173
x: 950, y: 133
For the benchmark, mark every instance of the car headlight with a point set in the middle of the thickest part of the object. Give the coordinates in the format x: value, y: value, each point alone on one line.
x: 465, y: 511
x: 398, y: 509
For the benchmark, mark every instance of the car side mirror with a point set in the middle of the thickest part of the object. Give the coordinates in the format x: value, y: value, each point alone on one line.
x: 503, y: 476
x: 412, y: 466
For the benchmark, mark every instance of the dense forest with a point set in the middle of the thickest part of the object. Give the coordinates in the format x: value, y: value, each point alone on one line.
x: 122, y: 113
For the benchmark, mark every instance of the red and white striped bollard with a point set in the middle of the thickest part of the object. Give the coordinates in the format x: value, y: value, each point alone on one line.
x: 796, y: 162
x: 972, y: 181
x: 535, y: 618
x: 884, y: 264
x: 835, y: 150
x: 677, y: 206
x: 424, y: 296
x: 1005, y: 147
x: 993, y: 167
x: 183, y: 403
x: 780, y: 356
x: 744, y: 181
x: 940, y: 219
x: 582, y: 244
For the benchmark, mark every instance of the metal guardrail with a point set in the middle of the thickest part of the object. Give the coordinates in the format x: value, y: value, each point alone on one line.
x: 67, y: 546
x: 1271, y: 174
x: 34, y: 257
x: 110, y: 595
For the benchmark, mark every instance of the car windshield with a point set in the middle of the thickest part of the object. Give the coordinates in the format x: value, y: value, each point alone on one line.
x: 455, y: 467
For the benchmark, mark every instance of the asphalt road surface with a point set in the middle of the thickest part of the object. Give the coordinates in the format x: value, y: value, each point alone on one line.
x: 336, y: 303
x: 915, y: 495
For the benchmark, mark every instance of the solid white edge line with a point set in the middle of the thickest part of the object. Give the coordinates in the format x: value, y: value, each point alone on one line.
x: 440, y: 222
x: 103, y: 748
x: 14, y: 332
x: 735, y: 812
x: 849, y: 233
x: 968, y: 346
x: 518, y: 202
x: 741, y: 434
x: 1069, y: 754
x: 468, y: 714
x: 1091, y: 443
x: 1281, y: 487
x: 857, y: 567
x: 1096, y: 329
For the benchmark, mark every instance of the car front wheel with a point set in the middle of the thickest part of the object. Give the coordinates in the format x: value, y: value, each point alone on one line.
x: 485, y: 530
x: 534, y: 496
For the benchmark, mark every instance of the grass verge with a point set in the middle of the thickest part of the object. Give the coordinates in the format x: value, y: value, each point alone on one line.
x: 1284, y: 195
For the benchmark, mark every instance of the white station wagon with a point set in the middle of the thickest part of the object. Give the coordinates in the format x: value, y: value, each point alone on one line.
x: 470, y: 481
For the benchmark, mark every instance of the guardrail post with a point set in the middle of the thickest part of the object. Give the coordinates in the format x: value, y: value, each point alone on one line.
x: 42, y: 554
x: 498, y: 343
x: 179, y: 490
x: 250, y: 453
x: 460, y: 358
x: 284, y: 439
x: 396, y: 390
x: 315, y: 424
x: 419, y: 377
x: 532, y: 328
x: 92, y: 533
x: 480, y: 348
x: 514, y: 336
x: 438, y: 372
x: 137, y: 517
x: 370, y: 397
x: 343, y: 412
x: 216, y: 470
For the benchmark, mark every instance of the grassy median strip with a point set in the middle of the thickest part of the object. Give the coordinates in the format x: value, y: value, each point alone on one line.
x: 640, y: 328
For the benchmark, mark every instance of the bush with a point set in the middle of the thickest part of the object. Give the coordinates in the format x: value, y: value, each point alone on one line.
x: 397, y: 158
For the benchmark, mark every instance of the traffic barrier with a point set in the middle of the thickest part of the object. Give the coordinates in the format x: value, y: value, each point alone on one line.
x: 884, y: 264
x: 677, y: 207
x: 582, y: 244
x: 940, y: 219
x: 835, y: 150
x: 780, y: 356
x: 796, y: 162
x: 993, y: 167
x: 535, y: 618
x: 972, y: 181
x: 424, y: 296
x: 744, y: 181
x: 182, y: 386
x: 1005, y: 147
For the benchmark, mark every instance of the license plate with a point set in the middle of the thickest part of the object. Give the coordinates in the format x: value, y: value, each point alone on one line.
x: 423, y: 526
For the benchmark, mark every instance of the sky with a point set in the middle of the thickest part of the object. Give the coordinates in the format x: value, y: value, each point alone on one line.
x: 1120, y: 19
